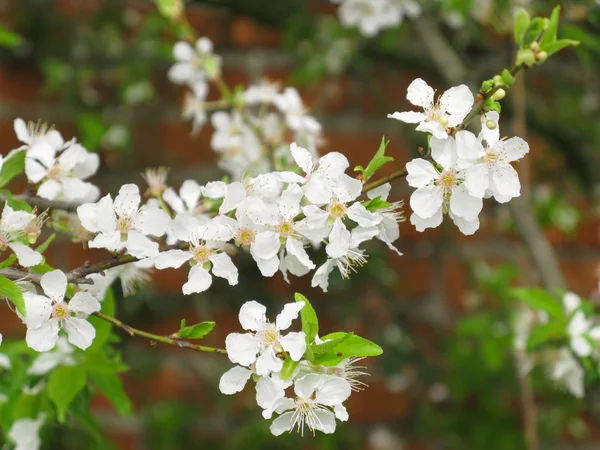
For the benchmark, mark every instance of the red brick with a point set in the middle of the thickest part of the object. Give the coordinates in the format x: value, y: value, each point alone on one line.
x: 246, y: 32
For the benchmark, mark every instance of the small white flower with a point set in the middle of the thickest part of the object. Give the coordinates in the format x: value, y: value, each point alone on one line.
x: 348, y: 261
x: 47, y: 314
x: 568, y: 371
x: 12, y: 228
x: 194, y: 106
x: 392, y: 215
x: 62, y: 176
x: 123, y: 223
x: 265, y: 92
x: 157, y: 181
x: 33, y: 132
x: 205, y: 252
x: 194, y: 64
x: 61, y: 355
x: 580, y: 329
x: 488, y: 169
x: 370, y: 16
x: 448, y: 112
x: 442, y: 188
x: 317, y: 403
x: 25, y: 433
x: 261, y: 348
x: 290, y: 104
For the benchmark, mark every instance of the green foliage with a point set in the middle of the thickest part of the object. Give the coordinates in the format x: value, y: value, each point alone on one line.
x: 12, y: 167
x: 103, y: 328
x: 9, y: 38
x: 375, y: 204
x: 64, y: 383
x: 521, y: 23
x: 540, y: 300
x: 289, y: 366
x: 348, y: 345
x: 378, y: 161
x: 112, y: 387
x: 12, y: 291
x: 310, y: 324
x: 197, y: 331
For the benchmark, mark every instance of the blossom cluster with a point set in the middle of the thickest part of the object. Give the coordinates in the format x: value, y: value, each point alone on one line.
x: 372, y: 16
x: 274, y: 216
x: 252, y: 126
x: 461, y: 169
x: 319, y: 391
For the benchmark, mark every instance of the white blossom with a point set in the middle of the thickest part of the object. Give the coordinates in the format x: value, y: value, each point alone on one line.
x: 60, y: 355
x: 567, y: 371
x: 392, y: 215
x: 194, y: 108
x: 34, y: 132
x: 193, y: 64
x: 25, y: 433
x: 580, y: 329
x: 12, y: 227
x: 205, y: 253
x: 317, y: 403
x: 47, y: 314
x: 261, y: 346
x: 448, y: 112
x: 488, y: 168
x: 123, y: 223
x: 442, y: 188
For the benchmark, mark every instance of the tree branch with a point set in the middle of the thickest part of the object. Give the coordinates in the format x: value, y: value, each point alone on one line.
x: 381, y: 181
x: 156, y: 337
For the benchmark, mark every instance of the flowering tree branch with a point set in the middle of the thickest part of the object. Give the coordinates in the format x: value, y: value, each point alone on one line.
x: 156, y: 337
x: 381, y: 181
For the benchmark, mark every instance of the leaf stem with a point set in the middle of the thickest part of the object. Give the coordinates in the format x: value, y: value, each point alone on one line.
x: 156, y: 337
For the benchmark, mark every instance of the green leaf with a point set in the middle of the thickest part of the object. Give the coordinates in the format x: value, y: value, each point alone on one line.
x: 44, y: 246
x: 9, y: 38
x: 171, y: 9
x: 12, y: 167
x: 64, y: 383
x: 521, y: 22
x: 556, y: 46
x: 507, y: 77
x: 16, y: 204
x: 8, y: 261
x: 540, y: 300
x: 377, y: 162
x: 310, y: 324
x: 112, y: 387
x: 533, y: 31
x: 197, y: 331
x: 375, y: 204
x: 12, y: 291
x: 289, y: 365
x: 331, y: 344
x: 552, y: 28
x: 545, y: 334
x: 352, y: 346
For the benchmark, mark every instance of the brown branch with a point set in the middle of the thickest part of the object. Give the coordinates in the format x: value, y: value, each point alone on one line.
x: 381, y: 181
x: 158, y: 338
x: 79, y: 274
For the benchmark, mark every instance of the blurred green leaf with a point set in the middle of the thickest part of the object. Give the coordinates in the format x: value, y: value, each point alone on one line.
x: 9, y: 38
x: 521, y: 22
x: 64, y: 383
x: 12, y: 291
x: 112, y: 387
x: 552, y: 28
x: 12, y: 167
x: 540, y: 300
x: 378, y: 161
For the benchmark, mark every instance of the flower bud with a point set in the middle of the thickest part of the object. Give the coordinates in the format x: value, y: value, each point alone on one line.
x: 499, y: 94
x: 534, y: 46
x: 498, y: 80
x: 525, y: 57
x: 491, y: 125
x: 541, y: 56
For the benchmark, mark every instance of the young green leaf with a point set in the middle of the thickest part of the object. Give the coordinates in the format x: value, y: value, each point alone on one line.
x: 533, y: 31
x: 556, y: 46
x: 540, y: 300
x: 64, y: 383
x: 521, y: 22
x: 44, y: 246
x: 310, y: 324
x: 351, y: 346
x: 375, y: 204
x: 545, y: 334
x: 289, y: 366
x: 550, y: 33
x: 12, y: 291
x: 197, y: 331
x: 8, y: 261
x: 331, y: 344
x: 377, y: 162
x: 16, y: 204
x: 12, y: 167
x: 112, y: 387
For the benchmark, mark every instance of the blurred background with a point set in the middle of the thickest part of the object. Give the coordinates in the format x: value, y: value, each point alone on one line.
x: 447, y: 379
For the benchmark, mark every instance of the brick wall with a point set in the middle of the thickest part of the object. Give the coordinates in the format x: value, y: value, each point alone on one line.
x: 429, y: 285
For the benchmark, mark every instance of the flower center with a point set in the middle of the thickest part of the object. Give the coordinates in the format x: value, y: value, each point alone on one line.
x: 60, y: 311
x: 54, y: 172
x: 491, y: 157
x: 201, y: 254
x: 245, y: 236
x: 447, y: 179
x: 124, y: 225
x: 285, y: 229
x: 270, y: 335
x: 336, y: 209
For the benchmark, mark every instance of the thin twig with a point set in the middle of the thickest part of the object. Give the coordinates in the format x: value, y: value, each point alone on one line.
x: 381, y: 181
x: 158, y: 338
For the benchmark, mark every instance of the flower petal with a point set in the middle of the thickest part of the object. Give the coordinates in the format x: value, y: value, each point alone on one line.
x: 465, y: 205
x: 420, y: 173
x: 426, y: 201
x: 295, y: 344
x: 408, y: 116
x: 268, y: 362
x: 234, y: 380
x: 242, y: 348
x: 26, y: 256
x: 140, y: 246
x: 339, y: 240
x: 302, y: 157
x: 288, y: 314
x: 199, y: 280
x: 81, y: 333
x: 457, y: 100
x: 54, y: 284
x: 171, y: 259
x: 419, y: 93
x: 43, y: 338
x: 223, y: 267
x: 84, y: 303
x: 253, y: 316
